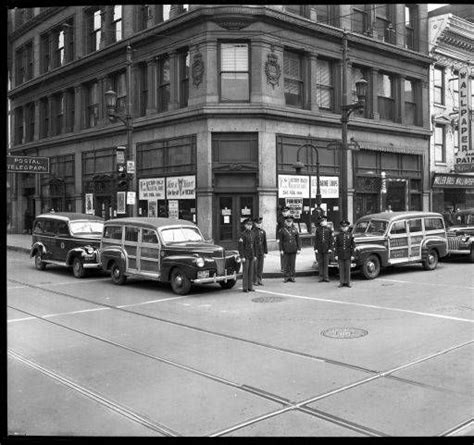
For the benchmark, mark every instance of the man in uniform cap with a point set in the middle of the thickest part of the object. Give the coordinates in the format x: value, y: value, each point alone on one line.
x: 261, y: 250
x: 344, y: 247
x: 285, y: 211
x: 323, y: 245
x: 247, y: 255
x: 290, y: 245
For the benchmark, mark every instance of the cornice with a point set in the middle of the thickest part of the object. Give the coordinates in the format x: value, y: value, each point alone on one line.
x: 451, y: 38
x: 35, y: 21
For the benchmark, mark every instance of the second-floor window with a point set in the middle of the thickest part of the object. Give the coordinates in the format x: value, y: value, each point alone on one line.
x: 386, y: 96
x: 44, y: 117
x: 183, y: 79
x: 163, y: 83
x: 359, y: 19
x: 19, y: 126
x: 439, y: 144
x: 58, y: 113
x: 359, y: 73
x: 410, y: 102
x: 438, y: 85
x: 117, y: 23
x: 293, y: 78
x: 325, y: 84
x: 92, y: 105
x: 29, y: 121
x: 234, y: 72
x: 118, y: 83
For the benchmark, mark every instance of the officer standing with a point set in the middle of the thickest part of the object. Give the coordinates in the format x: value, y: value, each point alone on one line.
x: 247, y: 255
x: 290, y: 245
x: 261, y: 250
x: 344, y: 250
x: 323, y: 245
x: 285, y: 211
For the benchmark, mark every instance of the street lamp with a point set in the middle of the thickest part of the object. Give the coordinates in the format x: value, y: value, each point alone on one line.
x: 125, y: 118
x: 298, y: 165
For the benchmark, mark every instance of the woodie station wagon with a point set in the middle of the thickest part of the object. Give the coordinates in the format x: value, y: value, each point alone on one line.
x: 168, y: 250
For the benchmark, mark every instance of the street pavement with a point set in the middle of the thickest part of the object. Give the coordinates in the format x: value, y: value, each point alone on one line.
x: 392, y: 356
x: 305, y: 262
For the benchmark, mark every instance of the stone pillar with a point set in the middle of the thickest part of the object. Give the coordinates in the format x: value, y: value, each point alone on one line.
x: 36, y: 134
x: 78, y: 187
x: 80, y: 49
x: 105, y: 21
x: 424, y: 115
x: 398, y: 98
x: 399, y: 24
x: 373, y: 94
x: 50, y: 115
x: 197, y: 74
x: 101, y: 89
x: 78, y: 111
x: 174, y: 80
x: 313, y: 70
x: 210, y: 78
x: 204, y: 187
x: 151, y: 78
x: 401, y: 107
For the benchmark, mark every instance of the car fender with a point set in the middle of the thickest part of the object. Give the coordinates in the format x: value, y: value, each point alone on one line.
x: 38, y: 246
x: 109, y: 254
x: 184, y: 262
x: 363, y: 251
x: 438, y: 243
x: 78, y: 251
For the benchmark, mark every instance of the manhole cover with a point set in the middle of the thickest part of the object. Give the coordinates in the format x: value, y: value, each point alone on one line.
x: 267, y: 299
x: 344, y: 333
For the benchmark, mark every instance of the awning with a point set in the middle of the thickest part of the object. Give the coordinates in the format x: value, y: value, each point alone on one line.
x: 448, y: 180
x: 391, y: 148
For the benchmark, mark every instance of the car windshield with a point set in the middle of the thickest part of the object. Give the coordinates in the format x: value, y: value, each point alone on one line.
x: 372, y: 227
x: 86, y: 227
x: 181, y: 234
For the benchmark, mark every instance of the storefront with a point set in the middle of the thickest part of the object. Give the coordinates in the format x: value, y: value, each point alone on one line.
x: 452, y: 190
x: 57, y: 187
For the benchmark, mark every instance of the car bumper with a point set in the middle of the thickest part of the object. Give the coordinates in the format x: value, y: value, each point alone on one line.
x: 91, y: 265
x: 215, y: 279
x: 465, y: 251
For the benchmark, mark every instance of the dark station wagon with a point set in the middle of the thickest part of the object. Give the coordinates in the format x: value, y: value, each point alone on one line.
x: 396, y: 238
x: 461, y: 234
x: 67, y: 239
x: 168, y: 250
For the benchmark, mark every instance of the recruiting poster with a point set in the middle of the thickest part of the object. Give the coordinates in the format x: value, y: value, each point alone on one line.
x: 293, y: 186
x: 181, y: 187
x: 295, y: 205
x: 173, y: 208
x: 152, y: 208
x: 121, y: 207
x: 89, y: 204
x: 151, y: 188
x: 329, y: 186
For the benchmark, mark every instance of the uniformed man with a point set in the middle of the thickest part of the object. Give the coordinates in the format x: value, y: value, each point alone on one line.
x: 323, y: 245
x: 247, y: 255
x: 344, y: 249
x: 285, y: 211
x: 261, y: 250
x: 290, y: 245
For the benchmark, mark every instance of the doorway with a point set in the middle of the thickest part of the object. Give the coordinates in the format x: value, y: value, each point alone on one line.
x: 231, y: 211
x: 397, y: 195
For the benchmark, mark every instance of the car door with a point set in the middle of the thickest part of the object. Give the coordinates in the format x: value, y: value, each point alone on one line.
x: 130, y: 246
x: 63, y: 241
x: 149, y: 253
x: 415, y: 238
x: 48, y: 238
x: 398, y: 242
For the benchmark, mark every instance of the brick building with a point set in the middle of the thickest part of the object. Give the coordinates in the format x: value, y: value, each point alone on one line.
x: 222, y: 97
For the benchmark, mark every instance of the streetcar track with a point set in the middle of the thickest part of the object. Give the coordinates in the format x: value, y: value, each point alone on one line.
x: 458, y: 429
x: 288, y: 405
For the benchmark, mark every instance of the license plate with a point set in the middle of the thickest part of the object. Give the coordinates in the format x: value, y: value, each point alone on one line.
x: 203, y: 274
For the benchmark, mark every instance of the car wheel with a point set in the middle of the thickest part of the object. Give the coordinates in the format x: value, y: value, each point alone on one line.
x: 39, y: 263
x: 371, y: 267
x: 228, y: 285
x: 180, y: 282
x: 431, y: 260
x: 471, y: 254
x: 116, y: 272
x: 78, y: 268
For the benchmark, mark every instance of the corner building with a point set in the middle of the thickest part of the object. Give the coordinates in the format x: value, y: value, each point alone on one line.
x: 222, y: 97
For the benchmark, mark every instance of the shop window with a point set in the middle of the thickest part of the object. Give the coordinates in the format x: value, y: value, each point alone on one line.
x: 183, y: 61
x: 359, y: 19
x: 163, y: 83
x: 92, y: 105
x: 383, y: 20
x: 438, y: 86
x: 410, y: 94
x: 117, y: 23
x: 293, y: 79
x: 325, y: 84
x: 440, y: 143
x: 386, y: 96
x: 234, y: 72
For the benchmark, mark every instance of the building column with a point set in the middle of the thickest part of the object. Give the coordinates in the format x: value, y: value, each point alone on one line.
x: 174, y: 85
x: 424, y: 116
x: 77, y: 124
x: 51, y: 115
x: 151, y: 79
x: 78, y: 192
x: 313, y: 70
x: 373, y: 93
x: 36, y: 134
x: 204, y: 187
x: 102, y: 88
x: 210, y: 83
x: 105, y: 20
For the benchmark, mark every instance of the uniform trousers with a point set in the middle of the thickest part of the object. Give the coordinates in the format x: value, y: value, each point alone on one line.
x: 345, y: 271
x: 289, y: 260
x: 323, y: 265
x: 247, y: 274
x: 258, y: 272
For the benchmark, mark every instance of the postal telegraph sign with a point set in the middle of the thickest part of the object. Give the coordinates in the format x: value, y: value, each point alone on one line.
x: 27, y: 164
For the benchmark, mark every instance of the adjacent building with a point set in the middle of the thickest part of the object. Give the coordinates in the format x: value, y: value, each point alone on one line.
x: 221, y: 97
x: 452, y: 102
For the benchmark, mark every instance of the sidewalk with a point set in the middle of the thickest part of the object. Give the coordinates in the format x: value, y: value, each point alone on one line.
x: 271, y: 269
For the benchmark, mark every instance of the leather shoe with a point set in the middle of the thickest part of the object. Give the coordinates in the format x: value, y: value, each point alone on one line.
x: 245, y: 290
x: 340, y: 285
x: 251, y: 290
x: 292, y: 280
x: 286, y: 280
x: 348, y: 285
x: 320, y: 281
x: 326, y: 281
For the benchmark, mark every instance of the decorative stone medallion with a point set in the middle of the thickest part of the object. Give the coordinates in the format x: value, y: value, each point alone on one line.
x: 197, y: 69
x: 272, y: 70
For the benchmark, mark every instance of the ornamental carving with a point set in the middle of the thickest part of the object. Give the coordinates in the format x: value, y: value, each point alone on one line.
x: 272, y: 70
x: 197, y: 69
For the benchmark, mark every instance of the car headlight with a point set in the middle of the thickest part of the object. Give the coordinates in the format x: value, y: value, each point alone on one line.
x: 199, y: 262
x: 89, y: 249
x: 237, y: 258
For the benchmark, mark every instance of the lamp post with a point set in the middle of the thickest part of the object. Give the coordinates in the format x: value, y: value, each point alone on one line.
x: 298, y: 165
x: 346, y: 110
x: 125, y: 118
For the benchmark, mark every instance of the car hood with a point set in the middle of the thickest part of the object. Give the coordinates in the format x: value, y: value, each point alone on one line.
x: 189, y: 248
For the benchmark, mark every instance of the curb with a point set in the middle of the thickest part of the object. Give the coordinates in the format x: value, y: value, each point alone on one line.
x: 18, y: 249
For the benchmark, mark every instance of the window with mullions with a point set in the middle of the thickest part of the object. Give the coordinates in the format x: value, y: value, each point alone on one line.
x: 44, y: 117
x: 58, y: 57
x: 94, y: 29
x: 438, y: 86
x: 163, y: 83
x: 117, y: 23
x: 183, y: 79
x: 410, y: 19
x: 386, y: 96
x: 382, y: 23
x: 59, y: 108
x: 20, y: 66
x: 44, y: 53
x: 359, y: 19
x: 19, y: 125
x: 325, y: 84
x: 454, y: 86
x: 293, y: 78
x: 234, y: 72
x: 92, y: 105
x: 440, y: 144
x: 70, y: 110
x: 410, y: 94
x: 326, y: 14
x: 143, y: 85
x: 29, y: 121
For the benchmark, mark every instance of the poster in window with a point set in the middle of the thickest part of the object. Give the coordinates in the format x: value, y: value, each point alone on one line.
x: 121, y: 208
x: 89, y: 204
x: 152, y: 208
x: 173, y: 208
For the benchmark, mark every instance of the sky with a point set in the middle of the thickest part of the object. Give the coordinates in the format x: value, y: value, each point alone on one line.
x: 432, y: 6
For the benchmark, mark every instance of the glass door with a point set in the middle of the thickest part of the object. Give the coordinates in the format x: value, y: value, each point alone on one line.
x: 232, y: 210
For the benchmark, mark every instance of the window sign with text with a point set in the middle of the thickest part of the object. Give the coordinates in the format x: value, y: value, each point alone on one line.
x: 181, y: 187
x: 293, y: 186
x: 152, y: 188
x: 329, y: 186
